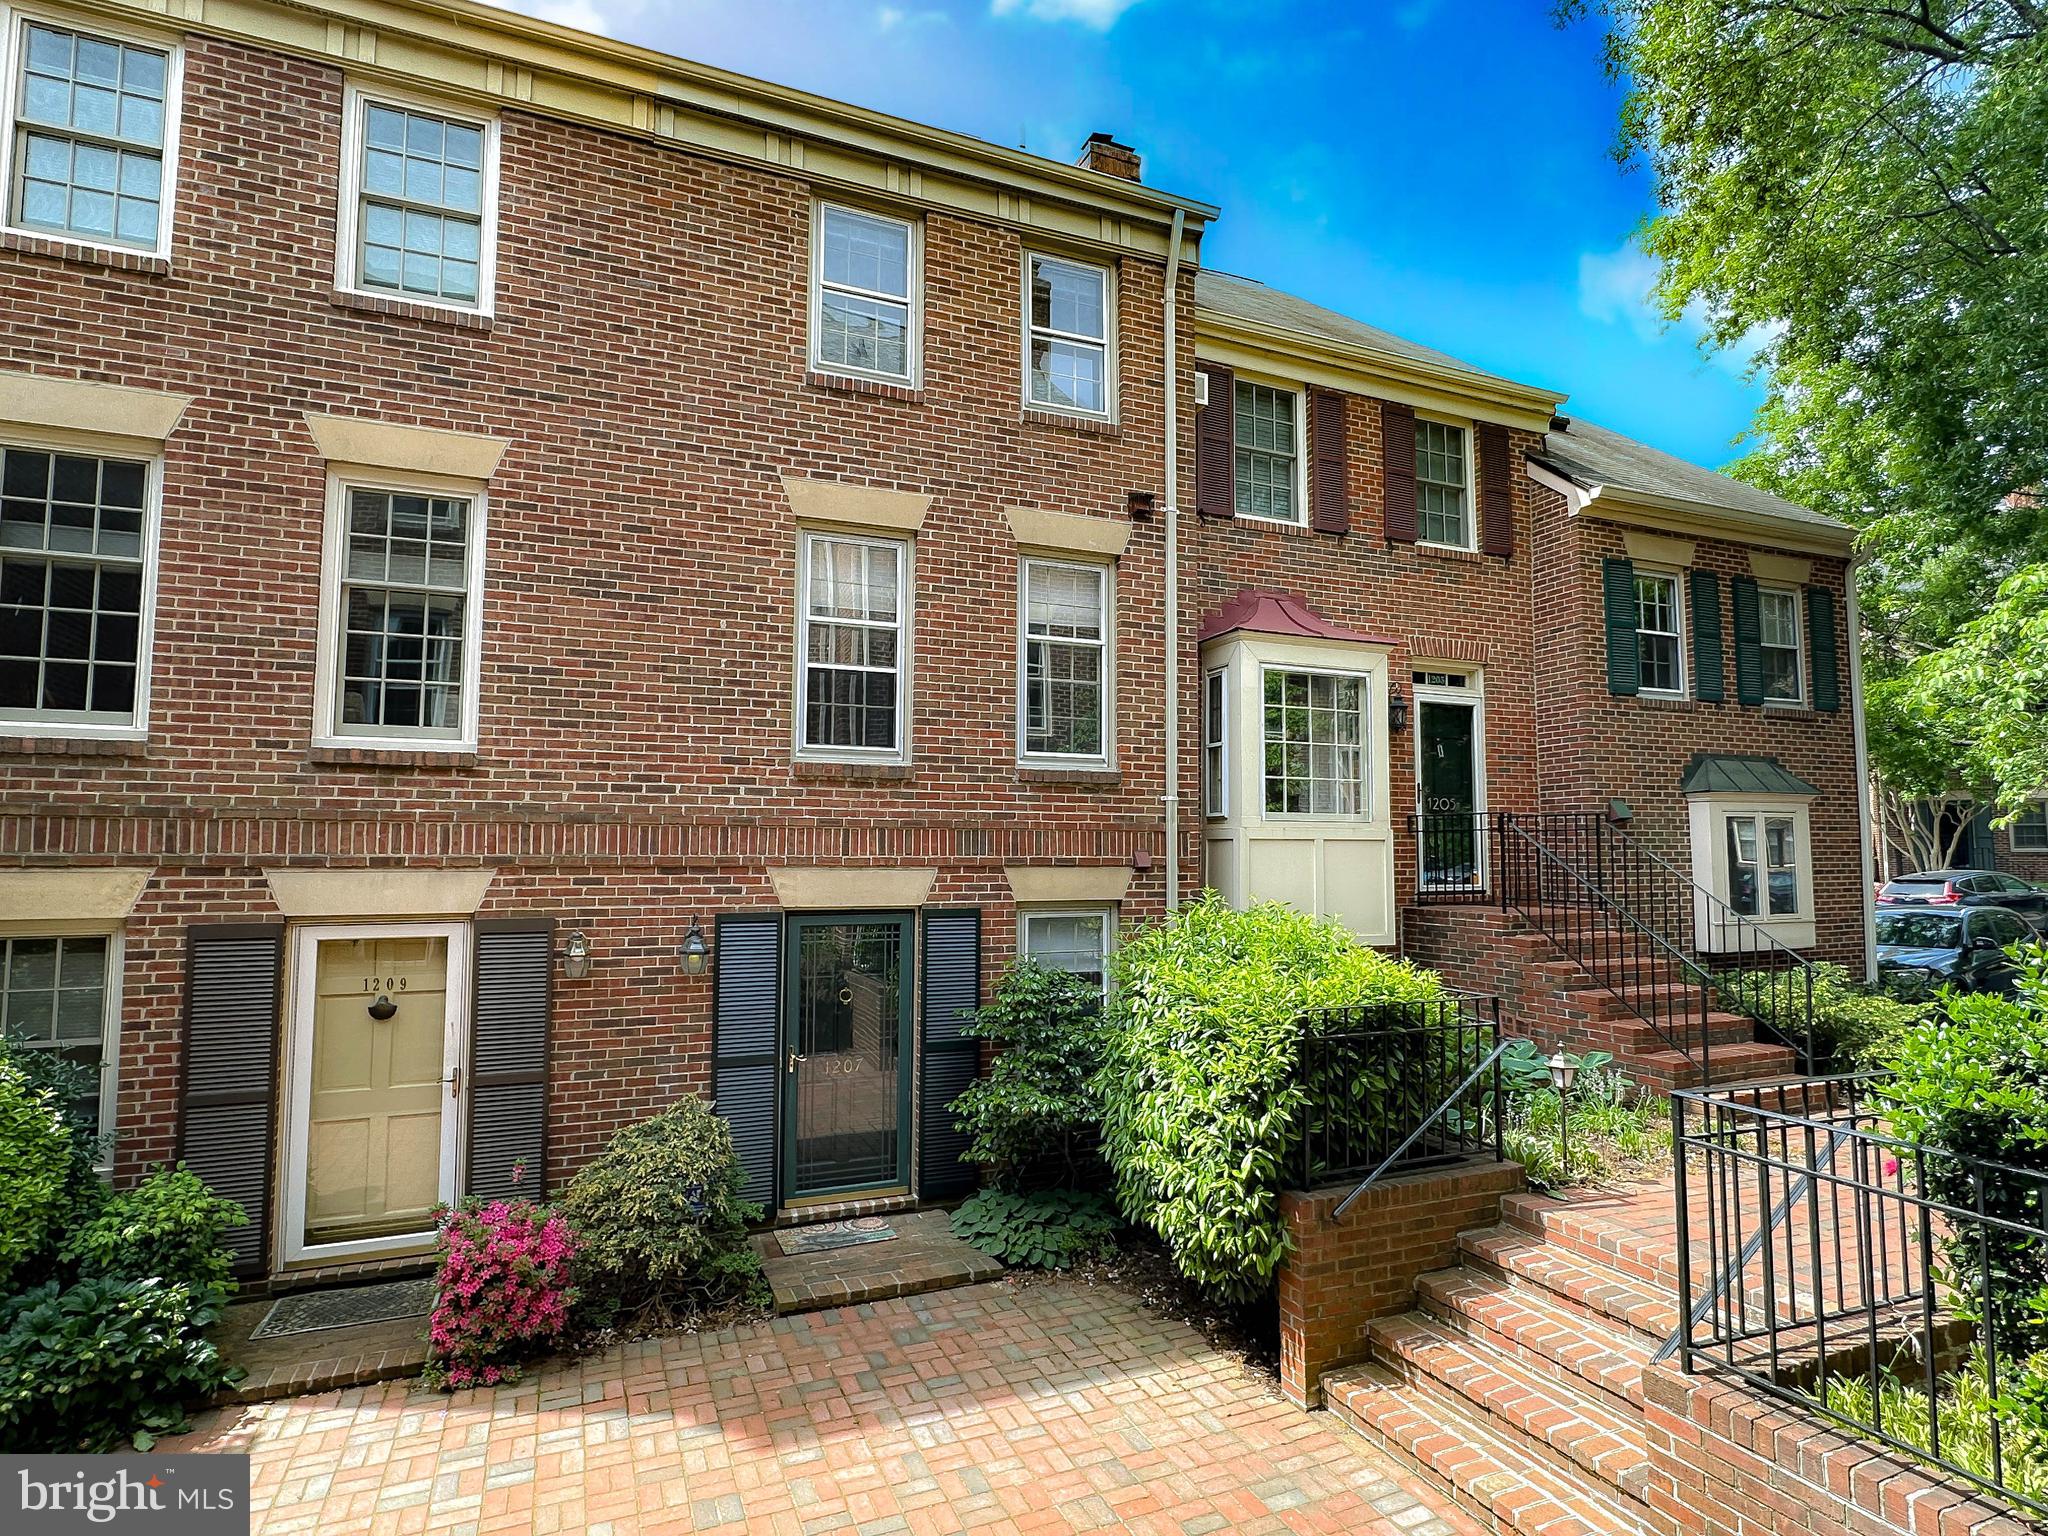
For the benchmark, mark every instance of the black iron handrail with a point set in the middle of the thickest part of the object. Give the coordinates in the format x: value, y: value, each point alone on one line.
x: 1392, y: 1159
x: 1451, y: 858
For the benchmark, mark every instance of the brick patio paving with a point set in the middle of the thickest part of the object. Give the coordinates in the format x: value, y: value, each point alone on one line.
x: 998, y: 1407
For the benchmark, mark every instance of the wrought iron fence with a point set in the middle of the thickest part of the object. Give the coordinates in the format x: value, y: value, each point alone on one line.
x: 1397, y: 1086
x: 1454, y: 857
x: 1888, y: 1287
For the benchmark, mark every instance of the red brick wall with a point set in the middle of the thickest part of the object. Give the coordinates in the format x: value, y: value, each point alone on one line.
x: 2028, y: 865
x: 1339, y: 1276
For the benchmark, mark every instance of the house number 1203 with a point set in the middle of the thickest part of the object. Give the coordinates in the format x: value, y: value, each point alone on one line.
x: 384, y: 984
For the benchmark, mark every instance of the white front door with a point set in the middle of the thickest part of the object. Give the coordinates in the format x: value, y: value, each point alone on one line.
x: 373, y: 1112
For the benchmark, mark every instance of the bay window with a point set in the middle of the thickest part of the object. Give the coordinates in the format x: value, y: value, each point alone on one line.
x: 1314, y: 743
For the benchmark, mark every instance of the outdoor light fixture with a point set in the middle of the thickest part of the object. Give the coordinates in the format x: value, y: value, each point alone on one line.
x: 1564, y: 1071
x: 1397, y: 709
x: 576, y: 955
x: 696, y: 953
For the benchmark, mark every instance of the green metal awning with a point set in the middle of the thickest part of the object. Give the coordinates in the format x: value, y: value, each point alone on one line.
x: 1723, y: 773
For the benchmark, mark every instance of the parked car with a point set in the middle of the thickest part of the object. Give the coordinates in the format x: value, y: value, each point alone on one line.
x: 1962, y: 947
x: 1967, y: 888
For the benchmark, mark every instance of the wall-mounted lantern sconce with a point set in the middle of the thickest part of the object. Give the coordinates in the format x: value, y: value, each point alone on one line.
x: 576, y: 955
x: 696, y: 953
x: 1397, y: 709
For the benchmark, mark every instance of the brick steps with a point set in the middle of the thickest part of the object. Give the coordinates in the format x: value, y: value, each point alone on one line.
x: 1616, y: 1242
x: 1551, y: 1335
x: 1588, y: 1284
x: 1743, y: 1062
x: 1480, y: 1464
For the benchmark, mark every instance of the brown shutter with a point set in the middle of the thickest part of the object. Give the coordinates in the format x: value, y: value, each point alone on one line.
x: 1397, y: 449
x: 512, y: 1004
x: 1329, y: 495
x: 1216, y: 444
x: 227, y: 1111
x: 1496, y: 493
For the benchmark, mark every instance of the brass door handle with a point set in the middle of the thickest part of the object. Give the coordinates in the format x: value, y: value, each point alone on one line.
x: 794, y: 1059
x: 454, y: 1081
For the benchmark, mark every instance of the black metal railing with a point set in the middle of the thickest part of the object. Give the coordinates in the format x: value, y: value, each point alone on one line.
x: 1453, y: 858
x: 1397, y: 1086
x: 1885, y: 1286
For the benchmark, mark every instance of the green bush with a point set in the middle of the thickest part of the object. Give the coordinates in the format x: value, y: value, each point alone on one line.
x: 1200, y: 1102
x: 167, y: 1228
x: 1051, y: 1229
x: 661, y: 1228
x: 1851, y: 1022
x: 1968, y: 1408
x: 1032, y: 1119
x: 44, y: 1174
x: 104, y: 1361
x: 1614, y: 1130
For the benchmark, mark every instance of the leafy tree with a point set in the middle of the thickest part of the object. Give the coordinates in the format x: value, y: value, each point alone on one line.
x: 1032, y: 1119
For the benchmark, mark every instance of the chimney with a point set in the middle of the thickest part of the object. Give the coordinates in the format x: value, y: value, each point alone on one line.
x: 1103, y: 153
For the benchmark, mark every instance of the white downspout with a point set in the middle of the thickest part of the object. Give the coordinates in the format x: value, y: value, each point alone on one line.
x: 1868, y: 872
x: 1173, y: 562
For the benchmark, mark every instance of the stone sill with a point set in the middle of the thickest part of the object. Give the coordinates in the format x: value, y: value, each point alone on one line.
x: 1443, y: 552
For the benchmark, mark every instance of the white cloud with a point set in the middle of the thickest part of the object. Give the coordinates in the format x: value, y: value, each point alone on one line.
x: 890, y: 18
x: 607, y: 18
x: 1099, y: 14
x: 1615, y: 288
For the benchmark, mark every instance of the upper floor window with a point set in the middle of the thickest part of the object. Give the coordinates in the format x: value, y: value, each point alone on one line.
x: 400, y: 647
x: 864, y: 295
x: 418, y: 204
x: 1067, y: 334
x: 1066, y: 655
x: 91, y: 131
x: 1269, y: 457
x: 1658, y: 635
x: 1783, y: 654
x: 851, y: 661
x: 1443, y: 484
x: 1315, y: 743
x: 75, y: 540
x: 2030, y: 830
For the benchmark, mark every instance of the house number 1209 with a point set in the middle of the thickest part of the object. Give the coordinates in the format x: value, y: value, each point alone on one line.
x: 386, y: 984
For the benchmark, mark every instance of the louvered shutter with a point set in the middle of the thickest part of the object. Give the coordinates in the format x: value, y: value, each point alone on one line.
x: 952, y: 1060
x: 1496, y: 492
x: 1330, y: 492
x: 1216, y: 444
x: 227, y: 1119
x: 746, y: 1029
x: 1397, y: 454
x: 510, y: 1023
x: 1749, y: 640
x: 1624, y: 662
x: 1820, y: 635
x: 1707, y: 662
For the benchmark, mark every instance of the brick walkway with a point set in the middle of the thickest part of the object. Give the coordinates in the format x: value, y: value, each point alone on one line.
x: 994, y: 1408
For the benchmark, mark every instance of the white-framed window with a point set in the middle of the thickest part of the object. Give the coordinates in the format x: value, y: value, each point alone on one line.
x: 78, y: 536
x: 1764, y: 875
x: 419, y: 202
x: 2030, y: 828
x: 1443, y: 484
x: 402, y: 623
x: 1270, y: 462
x: 1076, y: 940
x: 1068, y: 307
x: 866, y: 294
x: 853, y: 646
x: 1660, y: 633
x: 1315, y: 743
x: 1783, y: 646
x: 61, y: 992
x: 1216, y: 744
x: 90, y: 149
x: 1065, y: 706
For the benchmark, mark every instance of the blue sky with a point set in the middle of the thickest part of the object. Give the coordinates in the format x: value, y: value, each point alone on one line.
x: 1440, y: 168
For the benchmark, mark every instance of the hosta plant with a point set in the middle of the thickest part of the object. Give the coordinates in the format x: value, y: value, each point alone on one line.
x: 1049, y: 1229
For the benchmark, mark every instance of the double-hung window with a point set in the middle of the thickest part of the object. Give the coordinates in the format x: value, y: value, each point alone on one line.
x: 1066, y: 661
x: 1067, y: 335
x: 401, y: 664
x: 851, y: 657
x: 1443, y: 484
x: 1216, y: 744
x: 59, y: 994
x: 418, y: 204
x: 1315, y: 743
x: 1076, y: 942
x: 1763, y: 865
x: 1269, y: 458
x: 864, y: 303
x: 1783, y: 651
x: 2030, y: 828
x: 75, y: 548
x: 91, y: 130
x: 1659, y: 634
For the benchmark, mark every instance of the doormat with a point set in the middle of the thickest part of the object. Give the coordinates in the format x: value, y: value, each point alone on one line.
x: 827, y: 1235
x: 317, y: 1311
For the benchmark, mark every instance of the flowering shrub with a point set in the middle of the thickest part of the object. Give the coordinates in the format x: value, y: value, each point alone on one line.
x: 503, y: 1292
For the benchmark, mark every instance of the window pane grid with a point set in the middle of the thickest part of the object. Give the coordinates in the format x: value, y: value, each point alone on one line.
x: 864, y: 293
x: 422, y: 204
x: 404, y: 608
x: 1315, y: 744
x: 1215, y: 758
x: 1657, y: 634
x: 1076, y: 942
x: 1065, y: 630
x: 1069, y: 322
x: 53, y: 997
x: 1440, y: 484
x: 2030, y: 831
x: 1267, y: 446
x: 89, y: 146
x: 851, y: 644
x: 1778, y: 621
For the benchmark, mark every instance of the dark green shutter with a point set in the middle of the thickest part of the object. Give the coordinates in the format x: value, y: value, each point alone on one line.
x: 227, y: 1113
x: 952, y: 1060
x: 746, y: 1033
x: 508, y: 1058
x: 1749, y: 641
x: 1624, y: 663
x: 1707, y: 665
x: 1820, y: 634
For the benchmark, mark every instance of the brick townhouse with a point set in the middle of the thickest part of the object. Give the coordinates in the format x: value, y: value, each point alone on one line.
x: 540, y: 577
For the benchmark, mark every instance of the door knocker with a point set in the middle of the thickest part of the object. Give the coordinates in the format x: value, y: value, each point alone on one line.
x: 846, y: 995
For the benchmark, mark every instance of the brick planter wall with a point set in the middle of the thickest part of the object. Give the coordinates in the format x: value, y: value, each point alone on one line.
x: 1338, y: 1277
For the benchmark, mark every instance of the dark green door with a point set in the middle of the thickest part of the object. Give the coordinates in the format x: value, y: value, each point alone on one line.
x: 846, y: 1055
x: 1447, y: 784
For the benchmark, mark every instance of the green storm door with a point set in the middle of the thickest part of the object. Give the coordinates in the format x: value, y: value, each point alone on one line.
x: 1447, y: 784
x: 846, y: 1055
